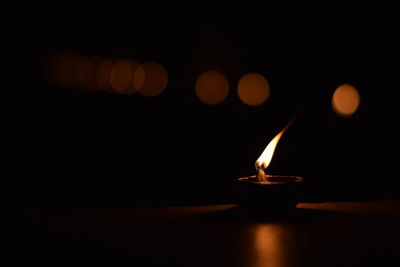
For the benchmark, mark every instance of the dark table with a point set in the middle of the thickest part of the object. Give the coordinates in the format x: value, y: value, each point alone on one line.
x: 317, y: 234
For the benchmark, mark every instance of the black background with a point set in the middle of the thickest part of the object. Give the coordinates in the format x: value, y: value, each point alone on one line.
x: 67, y: 145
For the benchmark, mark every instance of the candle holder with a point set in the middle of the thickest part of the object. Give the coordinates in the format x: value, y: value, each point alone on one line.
x: 275, y: 194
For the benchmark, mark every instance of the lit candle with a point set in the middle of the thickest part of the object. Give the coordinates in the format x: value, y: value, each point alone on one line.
x: 270, y: 192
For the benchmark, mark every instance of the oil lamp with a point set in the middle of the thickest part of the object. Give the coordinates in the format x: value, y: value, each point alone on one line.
x: 273, y: 193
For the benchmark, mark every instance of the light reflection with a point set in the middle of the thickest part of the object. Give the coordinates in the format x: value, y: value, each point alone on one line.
x: 345, y: 100
x: 253, y: 89
x: 212, y: 87
x: 268, y: 245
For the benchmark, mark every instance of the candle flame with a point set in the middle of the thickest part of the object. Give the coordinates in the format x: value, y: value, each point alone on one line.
x: 265, y: 159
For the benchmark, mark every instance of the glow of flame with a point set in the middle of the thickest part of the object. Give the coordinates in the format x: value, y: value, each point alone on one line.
x: 265, y: 159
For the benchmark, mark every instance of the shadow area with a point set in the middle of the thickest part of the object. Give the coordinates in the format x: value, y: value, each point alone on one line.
x: 246, y: 214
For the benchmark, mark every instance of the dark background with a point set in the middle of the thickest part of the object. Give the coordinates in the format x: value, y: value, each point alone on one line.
x: 67, y: 145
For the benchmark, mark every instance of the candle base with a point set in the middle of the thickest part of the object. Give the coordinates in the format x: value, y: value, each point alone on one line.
x: 277, y: 194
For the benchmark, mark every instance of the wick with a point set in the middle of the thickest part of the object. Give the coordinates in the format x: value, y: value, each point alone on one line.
x: 261, y: 176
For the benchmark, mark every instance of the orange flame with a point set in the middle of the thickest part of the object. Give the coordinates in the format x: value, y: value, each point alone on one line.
x: 265, y: 159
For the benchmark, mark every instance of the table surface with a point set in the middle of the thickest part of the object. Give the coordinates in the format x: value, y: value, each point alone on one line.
x: 317, y: 234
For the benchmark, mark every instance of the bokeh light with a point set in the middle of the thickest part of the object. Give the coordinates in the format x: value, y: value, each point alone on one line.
x: 103, y: 75
x: 63, y: 67
x: 345, y: 100
x: 138, y: 77
x: 83, y: 72
x: 150, y: 79
x: 91, y: 84
x: 212, y: 87
x: 131, y: 89
x: 253, y: 89
x: 121, y: 76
